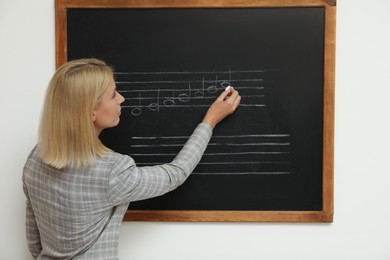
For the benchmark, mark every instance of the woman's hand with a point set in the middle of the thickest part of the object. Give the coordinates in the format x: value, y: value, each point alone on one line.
x: 223, y: 106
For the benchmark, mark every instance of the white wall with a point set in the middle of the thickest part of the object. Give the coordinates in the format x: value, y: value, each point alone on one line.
x: 361, y: 228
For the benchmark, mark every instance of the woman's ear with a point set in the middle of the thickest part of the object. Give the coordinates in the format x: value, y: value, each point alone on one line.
x: 93, y: 116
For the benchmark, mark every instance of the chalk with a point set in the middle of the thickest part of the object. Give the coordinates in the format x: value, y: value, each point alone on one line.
x: 228, y: 88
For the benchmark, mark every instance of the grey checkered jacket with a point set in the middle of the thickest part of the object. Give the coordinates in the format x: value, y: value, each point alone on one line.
x: 77, y: 213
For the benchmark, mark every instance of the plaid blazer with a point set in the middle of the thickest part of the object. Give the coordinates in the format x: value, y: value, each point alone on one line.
x: 77, y: 213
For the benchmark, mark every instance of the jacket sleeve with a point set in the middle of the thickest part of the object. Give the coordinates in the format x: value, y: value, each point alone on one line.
x: 32, y: 232
x: 130, y: 183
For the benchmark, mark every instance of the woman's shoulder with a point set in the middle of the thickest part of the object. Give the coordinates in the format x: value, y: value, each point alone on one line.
x: 33, y: 157
x: 114, y: 161
x: 112, y: 156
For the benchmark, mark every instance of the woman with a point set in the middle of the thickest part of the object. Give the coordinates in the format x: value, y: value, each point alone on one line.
x: 77, y: 189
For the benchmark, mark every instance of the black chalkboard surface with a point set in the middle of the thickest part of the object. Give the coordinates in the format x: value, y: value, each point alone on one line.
x: 171, y: 63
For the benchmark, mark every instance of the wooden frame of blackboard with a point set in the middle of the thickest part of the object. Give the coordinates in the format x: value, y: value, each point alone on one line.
x: 324, y: 215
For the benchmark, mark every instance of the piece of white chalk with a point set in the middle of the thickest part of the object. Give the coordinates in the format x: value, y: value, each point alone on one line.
x: 228, y: 88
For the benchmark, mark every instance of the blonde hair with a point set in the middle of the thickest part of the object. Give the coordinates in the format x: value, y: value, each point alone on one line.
x: 67, y: 136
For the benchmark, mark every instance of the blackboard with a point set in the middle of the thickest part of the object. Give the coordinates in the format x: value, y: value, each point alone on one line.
x: 270, y: 161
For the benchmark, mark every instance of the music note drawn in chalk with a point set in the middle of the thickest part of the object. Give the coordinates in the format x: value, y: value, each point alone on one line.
x: 200, y: 93
x: 184, y: 97
x: 213, y: 88
x: 170, y: 101
x: 155, y: 106
x: 137, y: 110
